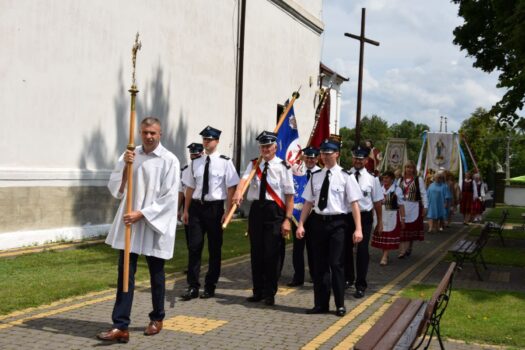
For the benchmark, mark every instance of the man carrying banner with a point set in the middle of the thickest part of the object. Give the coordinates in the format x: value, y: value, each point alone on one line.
x: 272, y: 192
x: 154, y: 220
x: 331, y: 193
x: 210, y: 181
x: 310, y: 159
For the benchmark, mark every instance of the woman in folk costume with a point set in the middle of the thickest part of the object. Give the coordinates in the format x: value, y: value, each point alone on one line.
x: 415, y: 203
x: 456, y: 194
x: 393, y: 210
x: 478, y: 197
x: 467, y: 195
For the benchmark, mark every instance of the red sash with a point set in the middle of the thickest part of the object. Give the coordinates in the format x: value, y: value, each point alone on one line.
x: 269, y: 189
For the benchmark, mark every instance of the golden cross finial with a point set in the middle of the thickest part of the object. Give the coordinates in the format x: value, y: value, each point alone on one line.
x: 137, y: 46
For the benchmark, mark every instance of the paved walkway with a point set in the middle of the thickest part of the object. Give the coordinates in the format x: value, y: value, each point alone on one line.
x: 228, y: 321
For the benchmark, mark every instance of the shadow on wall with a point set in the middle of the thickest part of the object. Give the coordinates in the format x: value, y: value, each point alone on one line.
x: 95, y: 205
x: 250, y: 150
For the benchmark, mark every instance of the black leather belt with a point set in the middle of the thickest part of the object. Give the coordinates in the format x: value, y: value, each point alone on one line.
x: 329, y: 217
x: 207, y: 202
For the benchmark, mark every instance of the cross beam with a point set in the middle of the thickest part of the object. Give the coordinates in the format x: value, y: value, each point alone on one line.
x: 362, y: 39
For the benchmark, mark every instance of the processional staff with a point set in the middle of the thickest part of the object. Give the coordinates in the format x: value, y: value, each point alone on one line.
x: 234, y: 207
x: 131, y: 147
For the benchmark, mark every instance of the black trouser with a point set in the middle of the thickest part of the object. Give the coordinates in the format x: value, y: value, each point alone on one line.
x: 328, y: 236
x: 264, y: 228
x: 205, y: 217
x: 358, y: 274
x: 122, y: 308
x: 298, y: 254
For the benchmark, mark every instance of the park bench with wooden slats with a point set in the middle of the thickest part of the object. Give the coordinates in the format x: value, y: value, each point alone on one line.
x: 471, y: 250
x: 407, y: 319
x: 497, y: 227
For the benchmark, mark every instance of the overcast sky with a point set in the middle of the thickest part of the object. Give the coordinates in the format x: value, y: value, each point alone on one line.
x: 416, y: 73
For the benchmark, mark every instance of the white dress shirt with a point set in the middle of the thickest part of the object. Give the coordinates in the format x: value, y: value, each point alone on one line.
x: 343, y: 190
x: 370, y: 187
x: 182, y: 187
x: 279, y: 177
x: 156, y: 179
x: 222, y: 175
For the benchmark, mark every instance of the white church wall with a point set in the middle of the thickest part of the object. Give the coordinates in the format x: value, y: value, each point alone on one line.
x: 66, y: 69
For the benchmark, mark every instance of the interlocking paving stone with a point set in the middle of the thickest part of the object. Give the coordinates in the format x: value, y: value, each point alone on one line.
x: 226, y: 321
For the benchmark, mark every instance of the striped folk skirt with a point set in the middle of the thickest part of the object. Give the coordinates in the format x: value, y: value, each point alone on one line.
x: 388, y: 240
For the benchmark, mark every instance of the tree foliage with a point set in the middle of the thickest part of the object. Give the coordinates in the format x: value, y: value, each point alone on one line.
x: 488, y: 141
x: 494, y: 35
x: 376, y: 129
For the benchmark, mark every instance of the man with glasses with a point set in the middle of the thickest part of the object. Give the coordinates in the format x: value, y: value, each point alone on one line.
x: 272, y: 192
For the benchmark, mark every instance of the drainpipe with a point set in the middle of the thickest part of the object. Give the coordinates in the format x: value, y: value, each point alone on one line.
x: 239, y: 83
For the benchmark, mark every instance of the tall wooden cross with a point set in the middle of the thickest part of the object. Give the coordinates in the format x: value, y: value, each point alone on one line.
x: 362, y: 39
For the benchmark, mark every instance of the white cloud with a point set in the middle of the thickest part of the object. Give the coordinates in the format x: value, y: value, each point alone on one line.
x: 416, y: 73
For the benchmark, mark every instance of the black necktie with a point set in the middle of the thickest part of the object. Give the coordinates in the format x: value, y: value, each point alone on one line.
x: 323, y: 198
x: 308, y: 174
x: 357, y: 175
x: 262, y: 187
x: 205, y: 184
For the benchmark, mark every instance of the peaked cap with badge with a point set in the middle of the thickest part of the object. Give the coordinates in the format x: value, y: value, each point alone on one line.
x: 210, y: 133
x: 266, y: 138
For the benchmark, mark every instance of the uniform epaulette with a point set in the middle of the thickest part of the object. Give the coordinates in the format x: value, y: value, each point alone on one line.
x: 347, y: 171
x: 286, y: 164
x: 196, y: 158
x: 184, y: 167
x: 371, y: 173
x: 254, y: 159
x: 225, y: 157
x: 317, y: 171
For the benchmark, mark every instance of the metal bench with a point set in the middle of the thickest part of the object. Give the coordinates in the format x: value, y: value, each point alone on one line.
x: 471, y: 250
x: 497, y: 227
x: 407, y: 319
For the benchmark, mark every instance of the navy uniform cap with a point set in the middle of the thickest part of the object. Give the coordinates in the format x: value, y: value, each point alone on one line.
x: 195, y: 148
x: 266, y: 138
x: 210, y: 133
x: 329, y: 146
x: 360, y: 152
x: 310, y: 152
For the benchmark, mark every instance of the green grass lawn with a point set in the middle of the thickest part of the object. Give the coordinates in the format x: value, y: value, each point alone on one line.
x: 514, y: 214
x: 507, y: 234
x: 41, y: 278
x: 480, y: 316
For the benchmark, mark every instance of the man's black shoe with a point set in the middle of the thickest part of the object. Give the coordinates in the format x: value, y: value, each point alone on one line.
x: 191, y: 293
x: 270, y: 301
x: 294, y: 284
x: 317, y: 310
x: 348, y: 284
x: 359, y: 294
x: 254, y: 298
x: 207, y: 294
x: 341, y: 311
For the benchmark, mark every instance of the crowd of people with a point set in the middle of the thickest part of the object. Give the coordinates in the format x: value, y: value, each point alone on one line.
x: 344, y: 212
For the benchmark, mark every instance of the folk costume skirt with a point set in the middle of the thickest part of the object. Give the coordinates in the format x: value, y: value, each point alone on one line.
x: 388, y: 240
x: 414, y: 231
